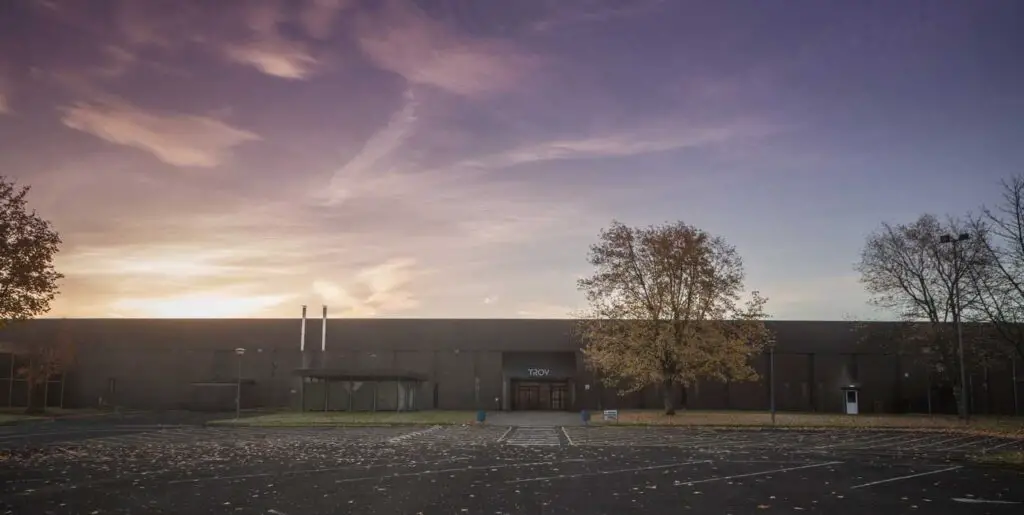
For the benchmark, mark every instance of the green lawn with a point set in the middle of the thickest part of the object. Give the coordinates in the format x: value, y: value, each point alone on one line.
x: 1013, y: 459
x: 15, y: 415
x: 342, y: 418
x: 1012, y: 426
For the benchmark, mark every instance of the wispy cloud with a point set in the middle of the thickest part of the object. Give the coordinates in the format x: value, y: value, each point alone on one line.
x: 402, y: 39
x: 4, y: 106
x: 368, y: 169
x: 382, y: 289
x: 273, y: 56
x: 177, y: 139
x: 647, y: 139
x: 267, y: 49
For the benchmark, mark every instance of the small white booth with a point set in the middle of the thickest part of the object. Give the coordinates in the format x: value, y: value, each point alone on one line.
x: 851, y: 399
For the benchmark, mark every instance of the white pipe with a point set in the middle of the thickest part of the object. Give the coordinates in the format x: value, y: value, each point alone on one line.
x: 302, y: 337
x: 323, y: 335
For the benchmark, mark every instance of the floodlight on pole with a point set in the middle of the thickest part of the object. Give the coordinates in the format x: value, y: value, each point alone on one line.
x: 238, y: 385
x: 946, y: 238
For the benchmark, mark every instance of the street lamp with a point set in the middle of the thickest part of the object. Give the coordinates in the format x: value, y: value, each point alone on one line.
x: 771, y: 379
x: 955, y: 242
x: 238, y: 386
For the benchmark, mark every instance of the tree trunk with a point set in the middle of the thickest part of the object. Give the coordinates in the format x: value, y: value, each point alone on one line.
x: 30, y: 387
x: 668, y: 395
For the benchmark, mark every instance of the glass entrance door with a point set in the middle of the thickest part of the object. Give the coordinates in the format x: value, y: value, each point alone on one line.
x: 540, y: 395
x: 558, y: 396
x: 527, y: 397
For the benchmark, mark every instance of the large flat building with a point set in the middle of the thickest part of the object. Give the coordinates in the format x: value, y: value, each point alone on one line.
x: 507, y: 364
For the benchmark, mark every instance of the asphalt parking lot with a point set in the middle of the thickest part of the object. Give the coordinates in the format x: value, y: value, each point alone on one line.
x: 141, y: 467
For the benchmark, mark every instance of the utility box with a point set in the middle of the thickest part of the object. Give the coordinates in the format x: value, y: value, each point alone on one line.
x: 851, y: 400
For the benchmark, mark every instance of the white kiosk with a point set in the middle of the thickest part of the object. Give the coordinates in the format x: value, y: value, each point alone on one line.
x: 851, y: 399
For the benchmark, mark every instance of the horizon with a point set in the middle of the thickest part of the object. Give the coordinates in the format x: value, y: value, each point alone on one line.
x: 442, y: 159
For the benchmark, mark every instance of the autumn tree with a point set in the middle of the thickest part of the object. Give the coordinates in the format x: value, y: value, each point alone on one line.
x: 42, y: 360
x: 1000, y: 285
x: 28, y: 280
x: 910, y: 271
x: 664, y: 309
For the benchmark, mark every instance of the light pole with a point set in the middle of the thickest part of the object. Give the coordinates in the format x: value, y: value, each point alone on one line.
x: 771, y: 380
x: 238, y: 386
x: 955, y: 242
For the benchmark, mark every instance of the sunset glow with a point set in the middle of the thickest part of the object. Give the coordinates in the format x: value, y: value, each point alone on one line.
x: 456, y: 159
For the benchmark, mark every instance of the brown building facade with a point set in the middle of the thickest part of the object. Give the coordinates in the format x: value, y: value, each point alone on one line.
x: 509, y: 364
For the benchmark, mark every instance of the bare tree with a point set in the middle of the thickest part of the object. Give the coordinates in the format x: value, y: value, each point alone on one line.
x: 909, y: 271
x: 1001, y: 284
x: 664, y: 310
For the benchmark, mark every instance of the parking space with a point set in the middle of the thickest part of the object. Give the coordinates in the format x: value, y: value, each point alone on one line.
x: 848, y: 441
x: 499, y: 469
x: 467, y: 435
x: 388, y: 478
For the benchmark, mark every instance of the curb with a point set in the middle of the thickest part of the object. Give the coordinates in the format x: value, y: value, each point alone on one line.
x: 215, y: 423
x: 43, y: 419
x: 25, y: 422
x: 768, y: 428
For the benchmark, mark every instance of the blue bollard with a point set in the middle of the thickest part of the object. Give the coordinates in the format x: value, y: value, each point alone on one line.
x: 481, y: 416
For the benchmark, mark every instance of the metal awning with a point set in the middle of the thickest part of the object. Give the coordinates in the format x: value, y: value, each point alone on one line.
x: 336, y: 374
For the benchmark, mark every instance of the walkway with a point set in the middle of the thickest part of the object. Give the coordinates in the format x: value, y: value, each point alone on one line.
x: 533, y: 418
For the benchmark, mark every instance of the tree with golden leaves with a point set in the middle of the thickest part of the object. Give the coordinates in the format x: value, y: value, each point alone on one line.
x: 28, y: 280
x: 42, y: 360
x: 28, y: 244
x: 664, y: 309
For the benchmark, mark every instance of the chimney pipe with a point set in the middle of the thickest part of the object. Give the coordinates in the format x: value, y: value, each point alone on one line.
x: 323, y: 335
x: 302, y: 337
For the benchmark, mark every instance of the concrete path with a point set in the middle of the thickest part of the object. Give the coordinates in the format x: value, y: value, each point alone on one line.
x: 533, y: 418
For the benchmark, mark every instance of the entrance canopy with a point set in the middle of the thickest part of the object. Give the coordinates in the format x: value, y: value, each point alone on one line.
x: 326, y: 389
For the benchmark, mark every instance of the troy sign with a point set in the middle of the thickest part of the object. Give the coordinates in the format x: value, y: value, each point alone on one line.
x: 538, y: 372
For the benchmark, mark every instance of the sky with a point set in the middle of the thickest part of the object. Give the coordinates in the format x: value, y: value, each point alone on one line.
x: 456, y: 158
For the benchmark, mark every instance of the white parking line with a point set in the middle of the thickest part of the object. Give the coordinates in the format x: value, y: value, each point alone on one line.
x: 900, y: 478
x: 505, y: 434
x: 567, y: 437
x: 752, y: 474
x: 1000, y: 446
x: 463, y: 469
x: 976, y: 441
x: 604, y: 472
x: 971, y: 500
x: 413, y: 434
x: 940, y: 442
x: 873, y: 441
x: 901, y: 444
x: 310, y: 471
